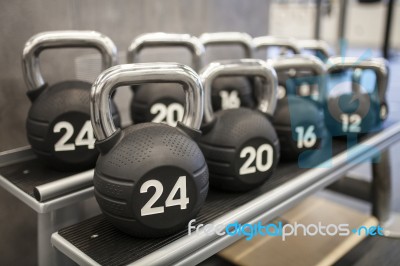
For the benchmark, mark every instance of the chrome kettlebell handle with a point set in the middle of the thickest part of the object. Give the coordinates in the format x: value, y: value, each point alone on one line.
x: 316, y: 45
x: 160, y: 39
x: 264, y: 42
x: 379, y: 65
x: 304, y: 62
x: 63, y: 39
x: 229, y: 38
x: 136, y: 74
x: 242, y: 67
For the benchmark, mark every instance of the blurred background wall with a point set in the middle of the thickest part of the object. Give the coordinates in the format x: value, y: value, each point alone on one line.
x: 123, y: 20
x: 365, y: 23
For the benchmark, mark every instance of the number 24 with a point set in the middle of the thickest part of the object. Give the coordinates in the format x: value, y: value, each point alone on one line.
x: 80, y: 140
x: 180, y: 185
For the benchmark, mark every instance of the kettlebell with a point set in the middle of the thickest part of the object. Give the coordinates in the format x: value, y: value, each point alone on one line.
x: 231, y: 92
x: 351, y: 109
x: 240, y: 145
x: 58, y: 124
x: 319, y: 48
x: 299, y: 121
x: 285, y: 45
x: 150, y: 178
x: 161, y: 102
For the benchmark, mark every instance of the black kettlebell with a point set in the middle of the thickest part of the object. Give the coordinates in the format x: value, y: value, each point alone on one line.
x: 352, y: 109
x: 319, y: 48
x: 231, y: 92
x: 161, y: 102
x: 151, y: 178
x: 299, y: 121
x: 58, y: 124
x: 240, y: 145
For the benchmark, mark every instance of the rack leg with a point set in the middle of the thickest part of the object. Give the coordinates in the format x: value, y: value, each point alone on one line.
x: 48, y: 223
x: 382, y: 195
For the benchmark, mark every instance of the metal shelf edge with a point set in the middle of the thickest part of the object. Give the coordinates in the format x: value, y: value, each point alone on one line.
x: 47, y: 206
x: 71, y: 251
x: 16, y: 155
x: 66, y: 200
x: 20, y: 194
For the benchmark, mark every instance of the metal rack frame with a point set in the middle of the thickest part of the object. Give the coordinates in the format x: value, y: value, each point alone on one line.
x: 56, y: 212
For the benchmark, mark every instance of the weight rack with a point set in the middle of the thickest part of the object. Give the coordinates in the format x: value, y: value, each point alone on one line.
x: 96, y: 242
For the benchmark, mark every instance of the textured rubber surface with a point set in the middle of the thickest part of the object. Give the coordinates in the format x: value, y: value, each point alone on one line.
x: 27, y: 175
x: 150, y: 152
x: 105, y: 244
x: 224, y: 140
x: 67, y: 101
x: 102, y: 242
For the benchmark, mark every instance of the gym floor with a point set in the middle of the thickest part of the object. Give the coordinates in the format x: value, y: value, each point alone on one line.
x: 18, y: 223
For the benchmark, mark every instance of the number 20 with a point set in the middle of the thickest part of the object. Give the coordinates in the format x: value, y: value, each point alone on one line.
x: 257, y: 156
x: 170, y: 114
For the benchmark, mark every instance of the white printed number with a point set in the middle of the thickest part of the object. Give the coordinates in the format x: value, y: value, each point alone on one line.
x: 306, y: 137
x: 170, y: 114
x: 183, y: 200
x: 84, y: 138
x: 229, y: 100
x: 351, y: 123
x: 256, y: 155
x: 281, y: 92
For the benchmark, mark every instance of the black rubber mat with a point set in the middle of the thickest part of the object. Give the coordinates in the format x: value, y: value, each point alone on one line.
x: 28, y: 174
x: 105, y: 244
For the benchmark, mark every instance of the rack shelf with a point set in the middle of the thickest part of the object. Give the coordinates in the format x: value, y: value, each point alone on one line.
x: 96, y: 242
